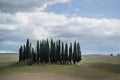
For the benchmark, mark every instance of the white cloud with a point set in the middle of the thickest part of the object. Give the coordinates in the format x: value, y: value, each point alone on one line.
x: 26, y: 19
x: 7, y: 27
x: 92, y: 32
x: 48, y: 23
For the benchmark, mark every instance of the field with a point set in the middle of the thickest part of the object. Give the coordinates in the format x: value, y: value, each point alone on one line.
x: 92, y: 67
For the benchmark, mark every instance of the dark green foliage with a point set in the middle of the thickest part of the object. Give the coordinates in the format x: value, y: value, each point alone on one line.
x: 59, y: 59
x: 27, y: 49
x: 38, y: 52
x: 70, y: 53
x: 57, y: 54
x: 62, y: 55
x: 33, y: 56
x: 24, y: 54
x: 49, y: 52
x: 78, y: 55
x: 21, y: 53
x: 28, y: 52
x: 74, y: 53
x: 54, y: 51
x: 66, y: 53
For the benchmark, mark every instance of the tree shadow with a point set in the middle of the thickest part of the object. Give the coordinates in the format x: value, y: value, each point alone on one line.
x: 5, y: 67
x: 109, y: 67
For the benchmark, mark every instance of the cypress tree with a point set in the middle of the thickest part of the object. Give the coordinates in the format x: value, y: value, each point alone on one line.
x: 27, y: 51
x: 51, y: 51
x: 24, y: 54
x: 66, y: 53
x: 33, y: 56
x: 20, y: 54
x: 47, y: 49
x: 38, y: 47
x: 62, y: 55
x: 78, y: 58
x: 59, y: 52
x: 70, y: 53
x: 54, y: 53
x: 42, y: 51
x: 30, y: 54
x: 74, y: 53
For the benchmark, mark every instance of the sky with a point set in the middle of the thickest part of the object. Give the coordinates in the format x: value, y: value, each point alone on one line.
x: 93, y: 23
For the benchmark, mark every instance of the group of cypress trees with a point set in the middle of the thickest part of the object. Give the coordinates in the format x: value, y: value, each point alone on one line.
x: 52, y: 52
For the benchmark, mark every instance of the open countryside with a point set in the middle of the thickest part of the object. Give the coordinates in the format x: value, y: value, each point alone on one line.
x: 92, y: 67
x: 59, y: 39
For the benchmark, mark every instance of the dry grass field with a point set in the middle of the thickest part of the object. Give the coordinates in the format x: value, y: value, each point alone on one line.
x: 92, y: 67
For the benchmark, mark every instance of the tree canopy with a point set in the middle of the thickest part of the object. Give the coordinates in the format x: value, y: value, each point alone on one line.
x: 50, y: 52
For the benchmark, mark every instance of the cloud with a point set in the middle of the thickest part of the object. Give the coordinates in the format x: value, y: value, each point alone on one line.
x: 94, y: 34
x: 26, y: 5
x: 26, y: 19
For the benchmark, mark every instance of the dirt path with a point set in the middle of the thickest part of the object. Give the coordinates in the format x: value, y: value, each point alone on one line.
x: 37, y: 76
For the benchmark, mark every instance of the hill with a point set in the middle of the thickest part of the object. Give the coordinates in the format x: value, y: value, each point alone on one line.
x: 92, y: 67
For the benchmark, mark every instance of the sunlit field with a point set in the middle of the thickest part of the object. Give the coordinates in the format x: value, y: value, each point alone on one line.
x: 92, y: 67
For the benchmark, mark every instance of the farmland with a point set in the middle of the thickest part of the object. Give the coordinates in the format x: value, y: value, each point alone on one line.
x: 92, y: 67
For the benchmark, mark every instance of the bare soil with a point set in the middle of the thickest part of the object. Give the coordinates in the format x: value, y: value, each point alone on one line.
x: 37, y: 76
